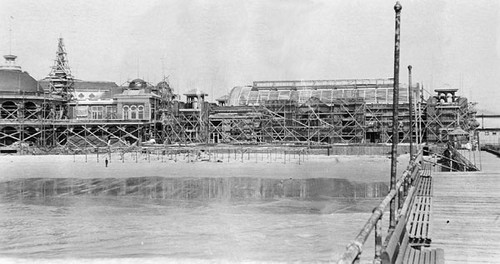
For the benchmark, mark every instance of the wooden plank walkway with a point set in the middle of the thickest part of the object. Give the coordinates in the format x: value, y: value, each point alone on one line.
x: 418, y: 226
x: 466, y: 213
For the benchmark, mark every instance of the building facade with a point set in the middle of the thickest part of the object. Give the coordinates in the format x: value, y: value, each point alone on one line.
x: 62, y: 112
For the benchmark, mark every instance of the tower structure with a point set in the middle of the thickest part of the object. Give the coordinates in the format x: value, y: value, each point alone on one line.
x: 60, y: 79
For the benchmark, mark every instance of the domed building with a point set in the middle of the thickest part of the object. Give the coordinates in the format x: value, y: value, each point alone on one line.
x: 23, y: 101
x: 13, y: 80
x: 62, y: 112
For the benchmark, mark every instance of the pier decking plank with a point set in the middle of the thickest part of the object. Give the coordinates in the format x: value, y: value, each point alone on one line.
x: 418, y: 225
x: 466, y: 214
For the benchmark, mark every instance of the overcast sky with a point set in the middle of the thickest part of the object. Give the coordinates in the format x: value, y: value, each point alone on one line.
x: 216, y: 45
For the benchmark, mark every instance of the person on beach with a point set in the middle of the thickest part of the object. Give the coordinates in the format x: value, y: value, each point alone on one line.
x: 106, y: 162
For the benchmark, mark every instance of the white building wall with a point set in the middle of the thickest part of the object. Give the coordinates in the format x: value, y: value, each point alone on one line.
x: 489, y: 137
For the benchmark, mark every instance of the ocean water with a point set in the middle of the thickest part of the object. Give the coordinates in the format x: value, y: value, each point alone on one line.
x: 156, y: 219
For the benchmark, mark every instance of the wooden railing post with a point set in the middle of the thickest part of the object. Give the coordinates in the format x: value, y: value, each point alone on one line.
x: 400, y: 197
x: 378, y: 241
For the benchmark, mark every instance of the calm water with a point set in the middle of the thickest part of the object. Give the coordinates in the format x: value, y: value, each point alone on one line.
x: 183, y: 219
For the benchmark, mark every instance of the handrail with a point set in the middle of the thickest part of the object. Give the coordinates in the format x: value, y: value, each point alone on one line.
x: 491, y: 150
x: 447, y: 158
x: 354, y: 249
x: 464, y: 162
x: 441, y: 165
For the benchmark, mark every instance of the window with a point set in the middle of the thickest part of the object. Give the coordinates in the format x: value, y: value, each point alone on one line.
x: 141, y: 112
x: 82, y: 111
x: 96, y: 112
x: 133, y: 112
x: 110, y: 112
x: 494, y: 133
x: 125, y: 112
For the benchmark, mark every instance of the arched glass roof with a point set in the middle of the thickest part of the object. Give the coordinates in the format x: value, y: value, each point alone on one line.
x: 248, y: 96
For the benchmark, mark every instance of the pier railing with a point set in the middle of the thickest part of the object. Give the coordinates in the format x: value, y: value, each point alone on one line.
x: 403, y: 194
x: 453, y: 160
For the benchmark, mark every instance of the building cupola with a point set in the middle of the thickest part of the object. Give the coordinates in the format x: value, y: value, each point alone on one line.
x: 10, y: 63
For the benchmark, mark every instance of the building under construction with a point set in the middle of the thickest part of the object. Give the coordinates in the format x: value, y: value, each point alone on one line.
x: 61, y: 112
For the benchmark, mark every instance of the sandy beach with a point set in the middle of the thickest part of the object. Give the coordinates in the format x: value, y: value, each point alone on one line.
x: 353, y: 168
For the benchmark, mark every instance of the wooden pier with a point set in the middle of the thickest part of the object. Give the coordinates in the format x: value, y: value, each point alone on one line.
x: 466, y: 213
x: 454, y: 217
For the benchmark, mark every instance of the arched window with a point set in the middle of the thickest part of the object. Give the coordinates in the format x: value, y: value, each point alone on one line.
x: 9, y: 110
x: 133, y: 112
x: 30, y: 110
x: 126, y: 112
x: 141, y: 112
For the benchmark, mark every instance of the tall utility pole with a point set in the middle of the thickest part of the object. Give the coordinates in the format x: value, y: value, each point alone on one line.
x: 410, y: 105
x: 395, y: 121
